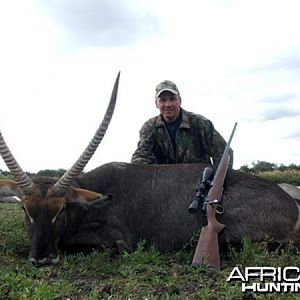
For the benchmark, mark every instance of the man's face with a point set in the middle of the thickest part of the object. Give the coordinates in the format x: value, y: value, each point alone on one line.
x: 168, y: 105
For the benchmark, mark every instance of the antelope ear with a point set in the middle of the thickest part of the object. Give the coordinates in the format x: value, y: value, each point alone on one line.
x: 82, y: 196
x: 10, y: 187
x: 101, y: 202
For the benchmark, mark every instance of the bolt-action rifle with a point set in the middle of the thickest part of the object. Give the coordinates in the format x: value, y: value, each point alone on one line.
x: 207, y: 250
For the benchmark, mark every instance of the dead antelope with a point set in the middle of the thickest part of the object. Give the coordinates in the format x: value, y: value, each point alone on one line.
x: 149, y: 203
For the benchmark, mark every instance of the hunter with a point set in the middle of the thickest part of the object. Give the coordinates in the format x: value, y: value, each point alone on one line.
x: 176, y: 135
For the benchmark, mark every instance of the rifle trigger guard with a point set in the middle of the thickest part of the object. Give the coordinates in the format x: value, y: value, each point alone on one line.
x: 220, y: 208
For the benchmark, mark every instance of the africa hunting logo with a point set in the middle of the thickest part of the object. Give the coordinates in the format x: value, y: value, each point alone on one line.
x: 267, y: 279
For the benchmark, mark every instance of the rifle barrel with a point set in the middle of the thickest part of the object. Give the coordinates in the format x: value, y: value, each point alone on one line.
x: 225, y: 153
x: 230, y: 138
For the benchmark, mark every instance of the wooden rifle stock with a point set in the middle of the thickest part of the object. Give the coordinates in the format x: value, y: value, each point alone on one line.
x: 207, y: 250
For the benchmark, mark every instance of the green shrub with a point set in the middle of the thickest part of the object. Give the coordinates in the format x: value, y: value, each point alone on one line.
x: 287, y: 176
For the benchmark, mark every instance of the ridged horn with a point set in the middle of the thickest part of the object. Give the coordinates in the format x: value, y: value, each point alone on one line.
x: 64, y: 182
x: 22, y: 178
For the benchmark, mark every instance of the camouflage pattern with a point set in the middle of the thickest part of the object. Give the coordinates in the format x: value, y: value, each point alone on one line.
x: 196, y: 141
x: 166, y: 85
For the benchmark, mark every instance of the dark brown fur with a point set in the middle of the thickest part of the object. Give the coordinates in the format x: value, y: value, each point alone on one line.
x: 150, y: 202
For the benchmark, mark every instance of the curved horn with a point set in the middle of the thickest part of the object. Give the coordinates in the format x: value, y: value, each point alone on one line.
x: 65, y: 181
x: 22, y: 178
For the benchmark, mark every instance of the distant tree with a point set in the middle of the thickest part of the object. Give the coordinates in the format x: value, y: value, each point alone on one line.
x: 51, y: 173
x: 258, y: 167
x: 246, y: 169
x: 294, y: 167
x: 8, y: 174
x: 263, y: 166
x: 5, y: 174
x: 282, y: 168
x: 289, y: 167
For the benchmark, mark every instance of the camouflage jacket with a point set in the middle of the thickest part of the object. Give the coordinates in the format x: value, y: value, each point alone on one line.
x: 196, y: 141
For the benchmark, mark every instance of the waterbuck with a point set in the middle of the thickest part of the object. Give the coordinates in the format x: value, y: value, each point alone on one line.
x: 119, y: 204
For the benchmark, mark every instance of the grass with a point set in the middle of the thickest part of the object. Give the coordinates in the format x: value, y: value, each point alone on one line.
x: 143, y: 274
x: 287, y: 176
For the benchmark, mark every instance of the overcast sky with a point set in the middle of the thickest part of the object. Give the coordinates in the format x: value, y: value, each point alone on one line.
x: 233, y: 61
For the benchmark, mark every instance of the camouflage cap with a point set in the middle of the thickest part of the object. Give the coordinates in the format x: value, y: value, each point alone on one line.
x: 166, y: 85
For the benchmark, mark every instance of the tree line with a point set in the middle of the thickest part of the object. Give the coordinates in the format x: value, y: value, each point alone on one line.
x: 263, y: 166
x: 47, y: 172
x: 257, y: 167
